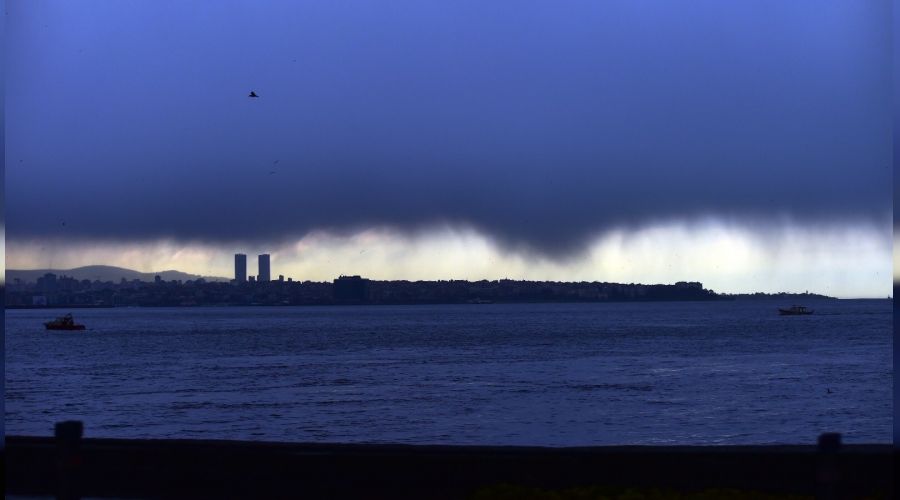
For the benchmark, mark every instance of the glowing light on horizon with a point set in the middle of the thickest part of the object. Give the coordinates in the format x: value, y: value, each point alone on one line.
x: 846, y: 261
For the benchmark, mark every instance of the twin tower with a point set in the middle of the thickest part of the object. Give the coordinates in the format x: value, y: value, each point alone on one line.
x: 240, y: 268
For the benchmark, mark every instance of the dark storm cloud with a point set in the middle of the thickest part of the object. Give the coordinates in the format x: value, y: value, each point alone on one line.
x: 540, y: 123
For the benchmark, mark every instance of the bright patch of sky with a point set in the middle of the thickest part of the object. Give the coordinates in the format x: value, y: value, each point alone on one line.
x: 844, y: 261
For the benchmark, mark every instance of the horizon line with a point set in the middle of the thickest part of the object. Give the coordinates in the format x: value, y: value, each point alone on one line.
x: 286, y: 278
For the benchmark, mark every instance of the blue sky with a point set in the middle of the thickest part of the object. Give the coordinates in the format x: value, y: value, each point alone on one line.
x: 526, y: 135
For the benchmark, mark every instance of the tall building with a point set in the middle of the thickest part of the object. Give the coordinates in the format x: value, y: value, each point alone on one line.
x: 240, y: 268
x: 265, y: 271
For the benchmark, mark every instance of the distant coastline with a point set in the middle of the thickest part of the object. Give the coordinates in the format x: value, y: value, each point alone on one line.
x: 52, y: 291
x: 780, y: 295
x: 104, y: 274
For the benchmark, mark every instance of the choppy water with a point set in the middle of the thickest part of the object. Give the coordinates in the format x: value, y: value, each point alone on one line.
x: 537, y: 374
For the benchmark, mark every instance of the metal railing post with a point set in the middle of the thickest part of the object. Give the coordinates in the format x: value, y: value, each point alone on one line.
x: 828, y: 474
x: 68, y: 459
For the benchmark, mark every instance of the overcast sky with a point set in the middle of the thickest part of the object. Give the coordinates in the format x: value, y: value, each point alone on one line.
x: 515, y: 132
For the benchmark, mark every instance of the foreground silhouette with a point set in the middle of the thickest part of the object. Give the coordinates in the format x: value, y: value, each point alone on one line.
x: 72, y: 467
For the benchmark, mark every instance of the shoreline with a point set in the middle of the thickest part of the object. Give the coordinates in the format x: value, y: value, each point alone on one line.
x: 734, y: 299
x: 190, y: 467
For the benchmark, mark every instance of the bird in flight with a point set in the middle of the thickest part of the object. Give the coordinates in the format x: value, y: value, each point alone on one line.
x: 252, y: 94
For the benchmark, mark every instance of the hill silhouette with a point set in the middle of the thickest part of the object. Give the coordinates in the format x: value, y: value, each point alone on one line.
x: 104, y: 273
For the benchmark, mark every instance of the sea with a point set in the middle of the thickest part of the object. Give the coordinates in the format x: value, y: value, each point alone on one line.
x: 585, y: 374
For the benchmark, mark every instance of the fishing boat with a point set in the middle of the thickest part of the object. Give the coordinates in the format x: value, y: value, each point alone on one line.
x: 63, y: 323
x: 795, y: 311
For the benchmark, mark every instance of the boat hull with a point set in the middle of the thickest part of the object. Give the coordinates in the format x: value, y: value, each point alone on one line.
x: 61, y: 327
x: 788, y: 312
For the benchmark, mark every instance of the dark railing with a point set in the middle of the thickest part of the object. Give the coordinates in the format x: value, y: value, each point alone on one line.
x: 70, y: 467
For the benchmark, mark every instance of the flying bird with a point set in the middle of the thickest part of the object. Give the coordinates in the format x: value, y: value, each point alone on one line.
x: 252, y: 94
